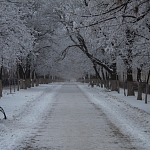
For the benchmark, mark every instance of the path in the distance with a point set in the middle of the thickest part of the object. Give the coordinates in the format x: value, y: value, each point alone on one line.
x: 74, y: 123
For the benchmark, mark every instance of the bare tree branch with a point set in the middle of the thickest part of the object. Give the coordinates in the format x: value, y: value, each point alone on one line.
x: 98, y: 22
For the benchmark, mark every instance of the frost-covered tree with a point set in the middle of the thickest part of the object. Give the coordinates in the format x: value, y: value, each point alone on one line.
x: 15, y: 38
x: 104, y: 31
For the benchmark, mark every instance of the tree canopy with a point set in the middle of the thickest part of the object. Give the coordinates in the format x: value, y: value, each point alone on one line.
x: 73, y: 38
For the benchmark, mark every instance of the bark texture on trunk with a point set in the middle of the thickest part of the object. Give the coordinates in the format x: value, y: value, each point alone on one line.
x: 32, y: 82
x: 147, y: 86
x: 130, y: 89
x: 37, y: 82
x: 0, y: 88
x: 28, y: 82
x: 139, y: 97
x: 21, y: 84
x: 114, y: 85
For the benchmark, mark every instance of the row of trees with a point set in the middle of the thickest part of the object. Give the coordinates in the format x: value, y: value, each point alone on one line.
x: 114, y: 35
x: 15, y: 38
x: 75, y: 38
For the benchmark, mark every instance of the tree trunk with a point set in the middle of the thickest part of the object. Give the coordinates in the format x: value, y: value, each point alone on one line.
x: 107, y: 84
x: 130, y: 82
x: 97, y: 73
x: 10, y: 85
x: 130, y: 88
x: 0, y: 88
x: 46, y: 82
x: 18, y: 84
x: 147, y: 86
x: 98, y: 82
x: 124, y: 84
x: 139, y: 97
x: 40, y: 81
x: 37, y: 82
x: 114, y: 78
x: 114, y: 85
x: 114, y: 82
x: 98, y: 77
x: 21, y: 84
x: 104, y: 79
x: 32, y: 82
x: 118, y: 87
x: 50, y: 80
x: 28, y: 82
x: 146, y: 93
x: 101, y: 82
x: 24, y: 84
x: 107, y: 81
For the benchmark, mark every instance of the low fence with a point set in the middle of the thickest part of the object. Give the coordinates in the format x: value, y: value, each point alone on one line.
x: 121, y: 84
x: 7, y: 82
x: 135, y: 86
x: 11, y: 84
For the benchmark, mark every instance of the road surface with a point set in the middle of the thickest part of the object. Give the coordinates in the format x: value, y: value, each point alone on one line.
x: 72, y: 122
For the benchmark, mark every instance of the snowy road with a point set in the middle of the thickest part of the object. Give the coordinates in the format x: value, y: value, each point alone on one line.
x: 64, y: 117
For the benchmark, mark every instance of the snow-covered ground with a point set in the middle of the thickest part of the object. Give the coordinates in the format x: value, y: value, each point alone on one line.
x: 24, y: 107
x: 131, y: 116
